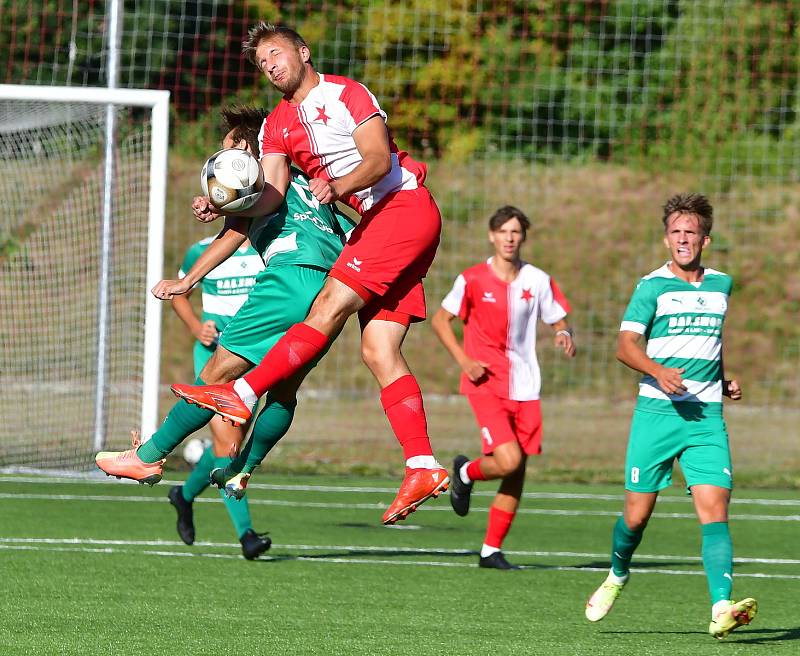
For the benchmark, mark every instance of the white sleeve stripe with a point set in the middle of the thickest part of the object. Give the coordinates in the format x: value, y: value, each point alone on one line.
x: 455, y: 297
x: 633, y: 326
x: 556, y: 313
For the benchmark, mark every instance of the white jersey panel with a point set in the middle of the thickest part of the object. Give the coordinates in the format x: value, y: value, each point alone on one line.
x: 455, y: 297
x: 530, y: 298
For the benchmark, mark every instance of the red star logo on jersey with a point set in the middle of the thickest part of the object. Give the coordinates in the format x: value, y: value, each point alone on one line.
x: 526, y: 295
x: 321, y: 115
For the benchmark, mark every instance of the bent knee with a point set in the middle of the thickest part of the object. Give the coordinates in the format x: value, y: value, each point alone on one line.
x: 636, y: 524
x: 509, y: 465
x: 380, y: 356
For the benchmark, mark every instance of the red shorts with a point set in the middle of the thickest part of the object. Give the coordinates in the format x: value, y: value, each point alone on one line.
x: 389, y: 253
x: 503, y: 420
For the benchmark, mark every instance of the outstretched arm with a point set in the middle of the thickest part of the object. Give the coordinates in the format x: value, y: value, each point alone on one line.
x: 630, y: 352
x: 442, y: 326
x: 276, y: 181
x: 233, y: 235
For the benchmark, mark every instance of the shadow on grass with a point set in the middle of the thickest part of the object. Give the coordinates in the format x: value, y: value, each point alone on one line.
x: 744, y: 636
x: 606, y: 564
x: 654, y: 632
x: 371, y: 553
x: 748, y: 636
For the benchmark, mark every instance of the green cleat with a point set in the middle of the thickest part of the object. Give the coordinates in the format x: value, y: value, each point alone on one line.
x: 233, y: 487
x: 602, y: 601
x: 736, y: 614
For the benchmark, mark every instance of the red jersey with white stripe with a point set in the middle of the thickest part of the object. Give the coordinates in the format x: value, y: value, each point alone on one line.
x: 500, y: 326
x: 317, y: 135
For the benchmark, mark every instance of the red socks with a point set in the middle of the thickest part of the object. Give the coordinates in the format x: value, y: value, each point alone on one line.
x: 474, y: 470
x: 299, y: 346
x: 402, y: 403
x: 498, y: 527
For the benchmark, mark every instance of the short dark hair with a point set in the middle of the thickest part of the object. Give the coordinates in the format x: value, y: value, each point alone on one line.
x: 695, y: 204
x: 262, y: 31
x: 506, y: 213
x: 243, y: 123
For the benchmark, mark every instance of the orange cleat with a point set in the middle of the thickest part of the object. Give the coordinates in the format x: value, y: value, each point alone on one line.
x: 417, y: 487
x: 126, y: 464
x: 217, y: 398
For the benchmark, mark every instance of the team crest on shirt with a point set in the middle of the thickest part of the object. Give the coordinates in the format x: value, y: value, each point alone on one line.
x: 321, y: 115
x: 526, y: 295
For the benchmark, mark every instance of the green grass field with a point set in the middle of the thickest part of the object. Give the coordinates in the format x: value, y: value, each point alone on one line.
x: 94, y: 566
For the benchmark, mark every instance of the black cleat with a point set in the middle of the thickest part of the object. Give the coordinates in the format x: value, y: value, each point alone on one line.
x: 254, y: 544
x: 496, y: 561
x: 185, y: 523
x: 459, y: 490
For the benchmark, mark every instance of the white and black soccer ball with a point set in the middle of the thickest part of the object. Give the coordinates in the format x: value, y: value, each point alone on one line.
x: 193, y: 450
x: 232, y: 179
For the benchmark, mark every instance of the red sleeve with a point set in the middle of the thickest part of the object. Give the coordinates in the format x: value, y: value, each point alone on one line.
x: 269, y: 139
x: 558, y: 296
x: 360, y: 102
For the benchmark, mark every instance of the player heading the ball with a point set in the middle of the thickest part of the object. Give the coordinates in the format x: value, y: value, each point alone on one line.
x: 334, y: 129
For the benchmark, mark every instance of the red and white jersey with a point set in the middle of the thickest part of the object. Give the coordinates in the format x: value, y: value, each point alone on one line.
x: 500, y: 326
x: 317, y: 135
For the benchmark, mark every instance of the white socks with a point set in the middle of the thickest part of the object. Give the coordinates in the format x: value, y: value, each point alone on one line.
x: 421, y: 462
x: 245, y: 392
x: 618, y: 580
x: 463, y: 474
x: 487, y: 551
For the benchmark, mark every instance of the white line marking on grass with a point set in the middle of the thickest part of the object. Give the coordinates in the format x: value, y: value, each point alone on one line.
x: 377, y: 506
x: 403, y: 527
x: 664, y: 498
x: 373, y: 548
x: 372, y: 561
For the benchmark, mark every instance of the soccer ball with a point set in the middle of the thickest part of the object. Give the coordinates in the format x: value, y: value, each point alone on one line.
x: 232, y: 179
x: 193, y: 450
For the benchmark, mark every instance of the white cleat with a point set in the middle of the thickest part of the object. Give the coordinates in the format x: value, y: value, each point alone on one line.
x: 602, y: 601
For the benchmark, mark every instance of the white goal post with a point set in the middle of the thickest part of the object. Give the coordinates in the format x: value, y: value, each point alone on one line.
x: 44, y: 131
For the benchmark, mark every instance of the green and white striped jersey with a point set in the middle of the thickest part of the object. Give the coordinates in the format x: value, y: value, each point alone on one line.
x: 682, y: 323
x: 302, y: 232
x: 226, y: 287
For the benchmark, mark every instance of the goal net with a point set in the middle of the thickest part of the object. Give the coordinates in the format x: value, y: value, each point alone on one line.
x: 585, y: 115
x: 82, y: 181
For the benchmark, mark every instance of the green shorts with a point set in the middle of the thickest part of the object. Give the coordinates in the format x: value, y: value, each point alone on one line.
x: 281, y: 297
x: 202, y: 354
x: 701, y: 447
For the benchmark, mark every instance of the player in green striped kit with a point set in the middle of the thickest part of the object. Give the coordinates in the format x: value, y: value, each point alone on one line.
x: 224, y: 290
x: 298, y: 245
x: 679, y: 310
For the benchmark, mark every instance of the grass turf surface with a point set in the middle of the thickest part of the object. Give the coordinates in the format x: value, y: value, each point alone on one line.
x: 95, y: 567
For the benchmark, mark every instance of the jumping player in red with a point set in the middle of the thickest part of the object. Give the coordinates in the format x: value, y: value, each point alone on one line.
x: 334, y: 129
x: 500, y: 302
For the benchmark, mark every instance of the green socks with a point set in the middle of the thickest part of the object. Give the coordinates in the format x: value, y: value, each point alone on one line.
x: 624, y: 543
x: 183, y: 420
x: 238, y: 510
x: 199, y: 478
x: 718, y: 560
x: 270, y: 426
